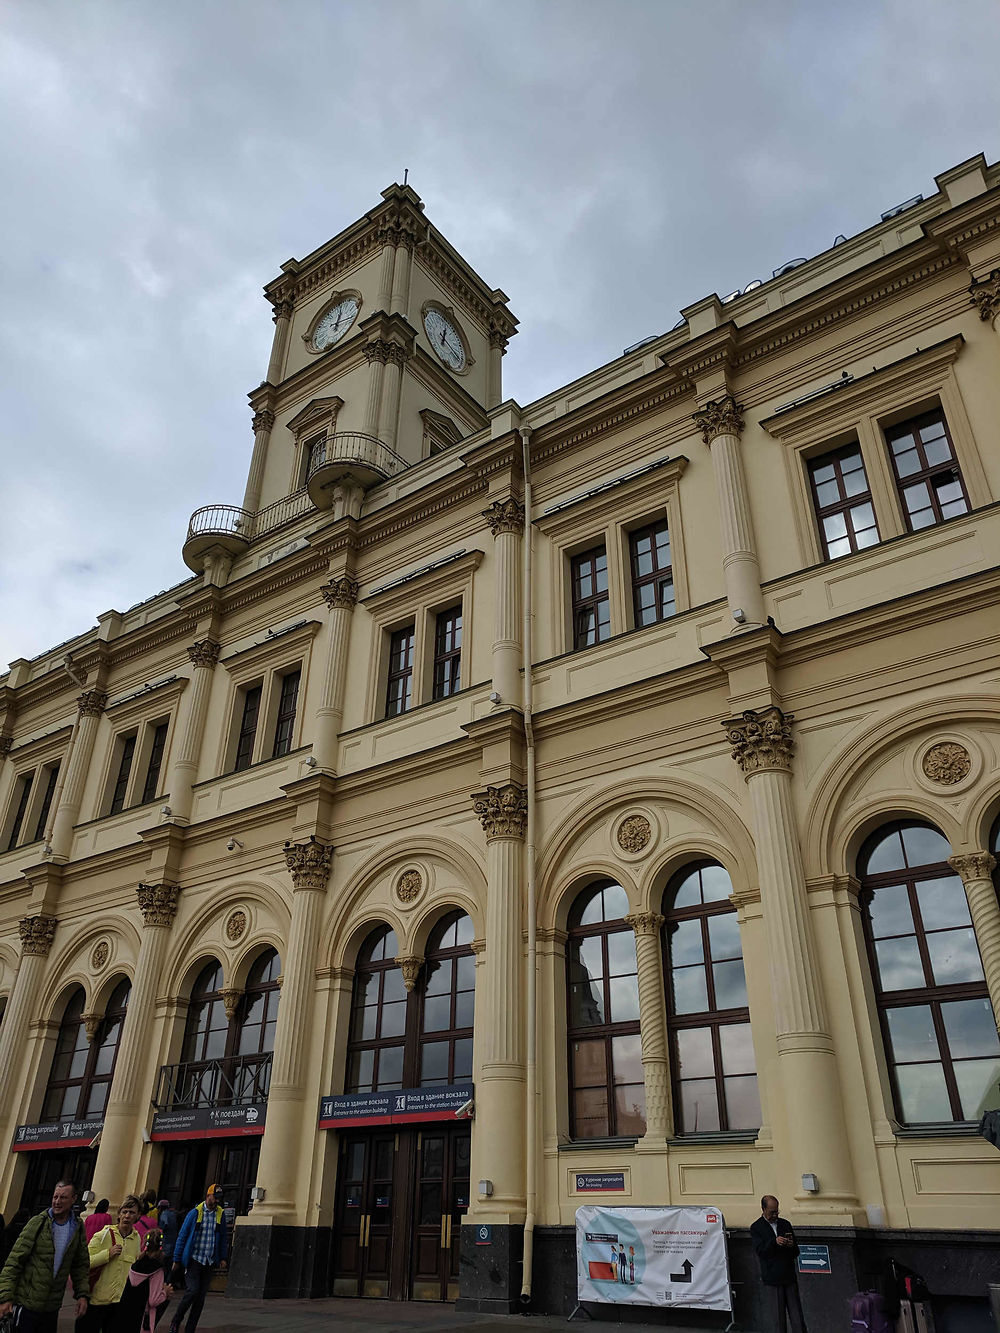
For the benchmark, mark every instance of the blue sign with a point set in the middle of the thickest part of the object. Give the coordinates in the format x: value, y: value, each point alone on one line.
x: 814, y: 1259
x: 407, y: 1106
x: 484, y: 1235
x: 600, y: 1182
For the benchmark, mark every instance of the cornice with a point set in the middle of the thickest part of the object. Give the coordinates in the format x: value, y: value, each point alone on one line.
x: 438, y: 258
x: 39, y: 746
x: 258, y: 654
x: 490, y: 457
x: 423, y: 583
x: 660, y: 476
x: 431, y: 374
x: 413, y: 509
x: 969, y: 221
x: 609, y: 413
x: 137, y: 706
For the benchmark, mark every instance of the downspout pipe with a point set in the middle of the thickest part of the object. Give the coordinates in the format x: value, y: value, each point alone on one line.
x: 531, y: 987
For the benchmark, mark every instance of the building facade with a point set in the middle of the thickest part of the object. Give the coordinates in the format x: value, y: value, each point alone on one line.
x: 519, y: 806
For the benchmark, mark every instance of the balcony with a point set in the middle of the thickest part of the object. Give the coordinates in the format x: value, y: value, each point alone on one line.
x: 348, y: 455
x: 241, y: 1080
x: 225, y: 527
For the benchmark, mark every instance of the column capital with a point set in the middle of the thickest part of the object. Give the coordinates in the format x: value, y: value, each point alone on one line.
x: 263, y: 419
x: 505, y: 516
x: 309, y: 863
x: 157, y: 903
x: 231, y: 997
x: 92, y: 1024
x: 410, y: 967
x: 204, y: 652
x: 502, y: 811
x: 984, y: 294
x: 973, y: 865
x: 37, y: 934
x: 6, y: 743
x: 342, y: 593
x: 498, y: 338
x: 381, y: 349
x: 722, y: 416
x: 91, y: 703
x: 761, y: 740
x: 645, y: 923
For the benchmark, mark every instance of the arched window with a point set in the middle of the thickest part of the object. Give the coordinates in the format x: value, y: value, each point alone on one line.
x: 607, y: 1092
x: 937, y: 1023
x: 80, y: 1078
x: 207, y: 1026
x: 227, y: 1061
x: 258, y: 1015
x: 378, y: 1016
x: 449, y: 1001
x: 712, y: 1059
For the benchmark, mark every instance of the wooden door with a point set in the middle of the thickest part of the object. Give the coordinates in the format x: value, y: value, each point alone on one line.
x: 441, y: 1199
x: 365, y: 1260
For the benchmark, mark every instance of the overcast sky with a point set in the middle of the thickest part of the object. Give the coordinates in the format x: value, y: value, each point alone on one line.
x: 605, y: 162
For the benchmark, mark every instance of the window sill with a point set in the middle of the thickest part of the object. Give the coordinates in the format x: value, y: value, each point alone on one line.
x: 715, y: 1136
x: 968, y: 1129
x: 585, y: 1145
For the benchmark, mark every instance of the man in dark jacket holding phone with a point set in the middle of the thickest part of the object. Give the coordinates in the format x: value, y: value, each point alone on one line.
x: 775, y: 1246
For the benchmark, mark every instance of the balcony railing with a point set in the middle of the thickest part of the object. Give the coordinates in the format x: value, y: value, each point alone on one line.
x: 352, y: 450
x: 221, y: 521
x: 241, y: 1080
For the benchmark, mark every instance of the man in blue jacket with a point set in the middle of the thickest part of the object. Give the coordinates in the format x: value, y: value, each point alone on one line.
x: 201, y: 1246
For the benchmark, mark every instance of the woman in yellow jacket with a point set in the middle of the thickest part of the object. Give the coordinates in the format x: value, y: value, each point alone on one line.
x: 113, y: 1251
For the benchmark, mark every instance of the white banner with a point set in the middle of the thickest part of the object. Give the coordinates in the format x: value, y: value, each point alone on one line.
x: 652, y: 1256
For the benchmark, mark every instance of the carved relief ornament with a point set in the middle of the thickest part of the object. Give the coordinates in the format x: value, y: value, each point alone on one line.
x: 236, y: 925
x: 984, y: 294
x: 309, y: 863
x: 341, y: 594
x: 101, y: 954
x: 505, y: 516
x: 408, y: 885
x: 204, y: 652
x: 761, y: 740
x: 645, y: 923
x: 502, y: 811
x: 158, y: 903
x: 92, y: 1025
x: 973, y: 865
x: 947, y: 763
x: 6, y: 742
x: 380, y: 349
x: 263, y: 419
x: 231, y: 1000
x: 410, y: 968
x: 37, y: 934
x: 723, y: 416
x: 634, y: 833
x: 91, y: 703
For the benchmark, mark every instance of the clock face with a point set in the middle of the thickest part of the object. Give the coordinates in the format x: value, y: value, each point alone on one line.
x: 335, y: 323
x: 445, y: 339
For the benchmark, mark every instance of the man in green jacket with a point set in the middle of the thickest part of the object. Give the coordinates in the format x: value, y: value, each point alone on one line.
x: 51, y: 1249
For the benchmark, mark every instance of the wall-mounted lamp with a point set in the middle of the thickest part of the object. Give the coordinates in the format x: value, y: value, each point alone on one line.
x: 232, y: 844
x: 257, y: 1193
x: 166, y: 810
x: 486, y: 1189
x: 739, y: 615
x: 312, y: 761
x: 810, y: 1183
x: 494, y: 697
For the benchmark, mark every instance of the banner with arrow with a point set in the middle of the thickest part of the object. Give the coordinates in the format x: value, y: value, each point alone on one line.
x: 653, y: 1256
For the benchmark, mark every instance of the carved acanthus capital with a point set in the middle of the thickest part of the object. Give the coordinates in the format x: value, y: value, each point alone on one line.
x: 502, y: 811
x: 204, y: 652
x: 92, y: 1024
x: 6, y: 742
x: 282, y: 300
x: 158, y: 903
x: 984, y: 294
x: 231, y: 997
x: 723, y: 416
x: 645, y: 923
x: 973, y: 865
x: 499, y: 339
x: 761, y: 740
x: 37, y: 934
x: 410, y: 968
x: 505, y: 516
x: 309, y: 863
x: 341, y: 594
x: 380, y: 349
x: 91, y: 703
x: 263, y: 420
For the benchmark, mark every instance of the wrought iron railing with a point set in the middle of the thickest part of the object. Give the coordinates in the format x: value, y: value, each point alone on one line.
x: 221, y: 520
x: 352, y: 446
x: 239, y: 1081
x: 282, y: 511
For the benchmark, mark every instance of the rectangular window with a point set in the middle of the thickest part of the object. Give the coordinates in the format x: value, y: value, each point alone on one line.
x: 124, y: 769
x: 927, y: 473
x: 843, y: 502
x: 43, y: 814
x: 248, y: 728
x: 591, y: 607
x: 399, y: 688
x: 652, y: 575
x: 155, y: 762
x: 447, y: 653
x: 285, y: 721
x: 23, y: 796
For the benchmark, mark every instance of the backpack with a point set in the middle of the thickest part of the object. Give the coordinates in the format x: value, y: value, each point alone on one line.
x: 868, y: 1313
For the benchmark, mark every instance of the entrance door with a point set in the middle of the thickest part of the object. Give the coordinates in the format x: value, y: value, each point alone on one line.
x: 47, y: 1167
x: 441, y: 1198
x: 365, y: 1261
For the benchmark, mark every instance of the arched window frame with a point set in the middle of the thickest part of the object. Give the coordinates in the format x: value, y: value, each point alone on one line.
x: 731, y: 1067
x: 85, y: 1067
x: 447, y: 987
x: 377, y: 1037
x: 604, y: 1059
x: 930, y: 995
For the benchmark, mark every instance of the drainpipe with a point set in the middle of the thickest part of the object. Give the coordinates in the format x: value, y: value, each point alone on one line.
x: 531, y: 1017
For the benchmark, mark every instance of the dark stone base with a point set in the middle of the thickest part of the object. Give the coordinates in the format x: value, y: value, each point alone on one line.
x: 489, y: 1280
x: 271, y: 1262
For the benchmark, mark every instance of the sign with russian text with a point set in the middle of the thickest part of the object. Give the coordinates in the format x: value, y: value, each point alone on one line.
x: 209, y: 1122
x: 62, y: 1134
x: 599, y: 1182
x: 409, y: 1106
x: 652, y: 1256
x: 814, y: 1259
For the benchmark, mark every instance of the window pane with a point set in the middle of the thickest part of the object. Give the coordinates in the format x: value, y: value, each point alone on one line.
x: 924, y: 846
x: 437, y: 1013
x: 630, y: 1109
x: 586, y: 1004
x: 742, y: 1102
x: 923, y: 1096
x: 590, y: 1113
x: 954, y: 957
x: 393, y: 1019
x: 868, y: 537
x: 890, y: 911
x: 936, y: 451
x: 589, y: 1063
x: 434, y: 1062
x: 97, y: 1100
x: 730, y: 985
x: 699, y: 1106
x: 465, y: 1009
x: 688, y: 892
x: 862, y: 516
x: 907, y: 462
x: 737, y: 1048
x: 390, y: 1067
x: 970, y: 1027
x: 624, y: 999
x: 724, y: 936
x: 977, y: 1084
x: 626, y: 1059
x: 885, y: 855
x: 621, y: 953
x: 466, y: 972
x: 463, y: 1059
x: 393, y: 985
x: 943, y: 903
x: 899, y: 964
x: 715, y: 884
x: 362, y: 1065
x: 911, y: 1031
x: 615, y: 903
x: 828, y: 492
x: 686, y: 943
x: 690, y: 990
x: 694, y: 1053
x: 438, y: 977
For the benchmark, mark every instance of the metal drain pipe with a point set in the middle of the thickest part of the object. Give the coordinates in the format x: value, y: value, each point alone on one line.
x: 531, y: 988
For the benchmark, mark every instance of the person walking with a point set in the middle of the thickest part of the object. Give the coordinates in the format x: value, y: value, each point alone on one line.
x: 169, y: 1224
x: 775, y: 1246
x: 147, y: 1290
x: 98, y: 1219
x: 50, y: 1250
x: 201, y: 1245
x: 113, y: 1251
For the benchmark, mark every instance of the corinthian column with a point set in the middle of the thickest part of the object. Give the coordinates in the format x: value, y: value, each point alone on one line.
x: 721, y: 423
x: 263, y: 423
x: 392, y: 383
x: 503, y: 812
x: 809, y: 1090
x: 506, y: 520
x: 117, y: 1157
x: 652, y: 1025
x: 309, y: 866
x: 984, y: 294
x: 37, y: 934
x: 203, y: 654
x: 341, y: 596
x: 498, y: 346
x: 283, y: 304
x: 90, y: 705
x: 376, y: 355
x: 976, y: 869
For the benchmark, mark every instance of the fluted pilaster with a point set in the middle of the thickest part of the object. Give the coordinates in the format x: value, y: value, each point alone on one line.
x: 340, y: 595
x: 204, y: 654
x: 37, y: 934
x: 653, y: 1023
x: 506, y: 523
x: 90, y: 706
x: 976, y: 869
x: 263, y: 424
x: 282, y: 308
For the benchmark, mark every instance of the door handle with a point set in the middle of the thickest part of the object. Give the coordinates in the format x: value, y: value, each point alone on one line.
x: 446, y: 1232
x: 366, y: 1223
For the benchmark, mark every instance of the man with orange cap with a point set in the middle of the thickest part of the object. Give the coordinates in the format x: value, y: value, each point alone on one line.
x: 201, y: 1246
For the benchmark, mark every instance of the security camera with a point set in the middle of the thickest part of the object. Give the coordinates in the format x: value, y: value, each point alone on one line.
x: 494, y: 697
x: 739, y: 615
x: 232, y: 844
x: 467, y: 1111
